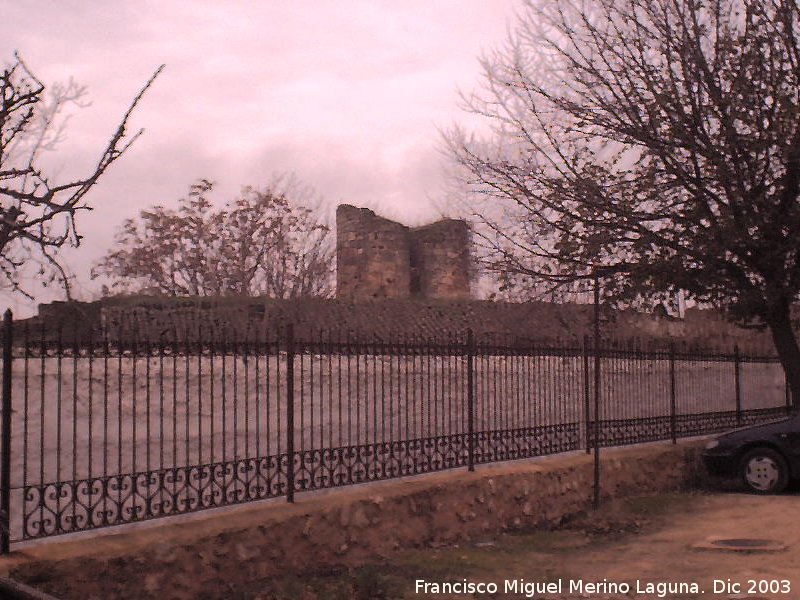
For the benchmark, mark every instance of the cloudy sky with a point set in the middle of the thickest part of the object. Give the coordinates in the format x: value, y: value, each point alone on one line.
x: 347, y: 95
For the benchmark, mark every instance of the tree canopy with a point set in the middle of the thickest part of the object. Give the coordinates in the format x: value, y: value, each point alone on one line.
x: 37, y: 213
x: 654, y: 141
x: 264, y: 243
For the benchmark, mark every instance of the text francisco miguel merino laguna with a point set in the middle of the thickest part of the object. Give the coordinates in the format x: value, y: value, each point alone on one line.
x: 660, y: 589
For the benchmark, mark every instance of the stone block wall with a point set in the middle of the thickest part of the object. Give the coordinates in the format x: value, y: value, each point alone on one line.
x: 380, y: 258
x: 372, y: 255
x: 440, y: 260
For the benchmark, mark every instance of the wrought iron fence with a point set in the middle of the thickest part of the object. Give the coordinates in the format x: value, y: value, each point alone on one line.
x: 104, y: 429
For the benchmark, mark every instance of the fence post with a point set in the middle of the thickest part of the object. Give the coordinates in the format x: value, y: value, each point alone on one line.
x: 470, y: 400
x: 586, y: 395
x: 5, y: 481
x: 290, y: 412
x: 738, y: 385
x: 673, y: 420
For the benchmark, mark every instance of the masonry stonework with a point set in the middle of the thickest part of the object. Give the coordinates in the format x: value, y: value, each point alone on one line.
x: 440, y: 260
x: 371, y: 255
x: 380, y: 258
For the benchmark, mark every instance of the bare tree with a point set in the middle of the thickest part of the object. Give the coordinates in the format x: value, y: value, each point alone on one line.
x: 37, y: 214
x: 657, y: 140
x: 263, y: 243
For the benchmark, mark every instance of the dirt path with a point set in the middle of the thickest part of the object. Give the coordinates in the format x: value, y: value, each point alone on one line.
x: 650, y: 539
x: 666, y: 553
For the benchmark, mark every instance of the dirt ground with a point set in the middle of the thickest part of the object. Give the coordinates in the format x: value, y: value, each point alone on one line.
x: 649, y: 539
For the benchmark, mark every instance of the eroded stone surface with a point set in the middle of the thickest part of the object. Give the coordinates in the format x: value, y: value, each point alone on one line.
x: 379, y: 258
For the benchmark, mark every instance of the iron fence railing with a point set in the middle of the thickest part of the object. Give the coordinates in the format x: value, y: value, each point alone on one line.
x: 103, y: 429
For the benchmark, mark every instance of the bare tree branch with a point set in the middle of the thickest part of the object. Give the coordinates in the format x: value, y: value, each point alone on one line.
x: 37, y: 216
x: 657, y: 138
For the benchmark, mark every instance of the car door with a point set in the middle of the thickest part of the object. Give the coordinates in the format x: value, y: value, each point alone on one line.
x: 789, y: 439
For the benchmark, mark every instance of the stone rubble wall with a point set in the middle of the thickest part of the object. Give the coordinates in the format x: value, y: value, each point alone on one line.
x: 372, y: 255
x: 379, y: 258
x: 346, y: 527
x: 440, y: 255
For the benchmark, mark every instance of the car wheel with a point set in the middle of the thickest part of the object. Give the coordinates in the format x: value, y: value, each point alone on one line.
x: 764, y: 471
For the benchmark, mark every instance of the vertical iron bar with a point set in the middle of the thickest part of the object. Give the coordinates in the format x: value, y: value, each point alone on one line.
x: 290, y: 413
x: 134, y: 381
x: 311, y: 390
x: 586, y: 395
x: 161, y: 353
x: 406, y: 403
x: 339, y: 351
x: 199, y: 344
x: 42, y: 411
x: 235, y: 350
x: 223, y: 379
x: 358, y: 392
x: 596, y: 390
x: 321, y: 379
x: 257, y: 355
x: 737, y: 374
x: 450, y: 354
x: 436, y: 392
x: 470, y: 399
x: 27, y: 354
x: 90, y: 394
x: 105, y: 411
x: 277, y: 380
x: 75, y: 354
x: 119, y: 410
x: 375, y: 396
x: 25, y: 412
x: 330, y: 396
x: 59, y: 422
x: 148, y: 398
x: 186, y: 369
x: 301, y: 396
x: 212, y: 351
x: 5, y: 482
x: 673, y: 419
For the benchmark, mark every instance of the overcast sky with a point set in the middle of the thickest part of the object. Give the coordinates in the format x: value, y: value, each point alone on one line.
x: 348, y: 95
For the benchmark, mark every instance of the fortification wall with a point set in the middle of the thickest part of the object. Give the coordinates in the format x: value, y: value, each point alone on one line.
x: 240, y: 318
x: 380, y: 258
x: 372, y: 256
x: 440, y: 260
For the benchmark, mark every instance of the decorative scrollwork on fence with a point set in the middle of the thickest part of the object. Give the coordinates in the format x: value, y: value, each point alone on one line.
x: 66, y: 507
x: 618, y: 432
x: 333, y: 467
x: 526, y: 442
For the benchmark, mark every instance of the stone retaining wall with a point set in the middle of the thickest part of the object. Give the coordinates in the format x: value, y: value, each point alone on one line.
x: 349, y: 526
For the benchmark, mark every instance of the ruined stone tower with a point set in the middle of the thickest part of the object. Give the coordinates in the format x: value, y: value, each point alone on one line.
x: 379, y: 258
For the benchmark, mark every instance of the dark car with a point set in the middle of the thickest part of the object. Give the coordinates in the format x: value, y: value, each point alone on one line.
x: 766, y: 457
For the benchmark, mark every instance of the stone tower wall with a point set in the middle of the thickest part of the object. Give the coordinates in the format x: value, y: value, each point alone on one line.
x: 372, y: 256
x: 379, y: 258
x: 440, y: 260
